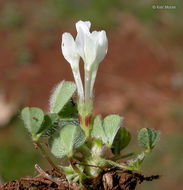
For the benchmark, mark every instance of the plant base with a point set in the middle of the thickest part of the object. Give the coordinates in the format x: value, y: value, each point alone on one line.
x: 108, y: 179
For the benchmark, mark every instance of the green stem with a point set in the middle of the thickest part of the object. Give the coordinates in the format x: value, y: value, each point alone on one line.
x: 119, y: 157
x: 75, y: 168
x: 112, y: 163
x: 47, y: 157
x: 85, y: 124
x: 89, y: 165
x: 82, y: 176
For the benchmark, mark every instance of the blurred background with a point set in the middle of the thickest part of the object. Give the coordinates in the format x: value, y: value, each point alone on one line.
x: 141, y: 78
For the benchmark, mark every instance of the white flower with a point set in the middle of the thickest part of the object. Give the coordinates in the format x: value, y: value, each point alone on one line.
x: 92, y: 47
x: 69, y: 51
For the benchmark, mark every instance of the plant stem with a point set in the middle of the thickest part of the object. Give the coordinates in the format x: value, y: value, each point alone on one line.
x: 74, y: 165
x: 82, y: 176
x: 118, y: 157
x: 47, y: 157
x: 112, y: 163
x: 47, y: 176
x: 85, y: 123
x: 89, y: 165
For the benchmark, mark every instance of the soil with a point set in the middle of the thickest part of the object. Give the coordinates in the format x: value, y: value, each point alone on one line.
x: 108, y: 179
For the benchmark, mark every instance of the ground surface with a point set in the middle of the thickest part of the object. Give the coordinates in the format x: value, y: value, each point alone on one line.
x: 108, y: 179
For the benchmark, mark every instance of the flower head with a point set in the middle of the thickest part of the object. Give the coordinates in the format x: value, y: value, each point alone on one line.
x: 92, y: 48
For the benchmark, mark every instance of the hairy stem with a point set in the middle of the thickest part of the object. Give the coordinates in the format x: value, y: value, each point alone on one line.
x: 118, y: 157
x: 47, y: 176
x: 47, y: 157
x: 112, y: 163
x: 82, y: 176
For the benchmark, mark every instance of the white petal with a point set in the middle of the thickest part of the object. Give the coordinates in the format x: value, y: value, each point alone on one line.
x: 102, y: 46
x: 90, y: 52
x: 92, y: 47
x: 101, y: 50
x: 84, y: 26
x: 69, y: 50
x: 95, y: 49
x: 83, y: 30
x: 80, y: 41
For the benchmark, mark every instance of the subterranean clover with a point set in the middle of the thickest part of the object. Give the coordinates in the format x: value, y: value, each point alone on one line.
x: 71, y: 130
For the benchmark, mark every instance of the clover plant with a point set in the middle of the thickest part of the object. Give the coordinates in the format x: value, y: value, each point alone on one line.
x: 88, y: 143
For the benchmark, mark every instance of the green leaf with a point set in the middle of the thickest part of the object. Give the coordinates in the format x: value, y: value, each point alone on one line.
x: 61, y: 95
x: 98, y: 130
x: 69, y: 110
x: 53, y: 117
x: 121, y: 140
x: 33, y: 119
x: 107, y: 130
x: 148, y: 138
x: 47, y: 124
x: 155, y: 138
x: 55, y: 143
x: 58, y: 124
x: 111, y: 126
x: 69, y: 138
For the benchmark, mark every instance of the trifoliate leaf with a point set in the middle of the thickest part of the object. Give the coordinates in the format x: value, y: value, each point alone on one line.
x: 33, y: 119
x: 111, y: 126
x: 61, y: 95
x: 98, y: 130
x: 148, y: 138
x: 69, y: 138
x: 121, y: 140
